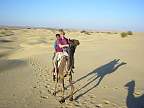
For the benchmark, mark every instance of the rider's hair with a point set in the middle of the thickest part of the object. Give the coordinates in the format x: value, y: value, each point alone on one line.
x: 57, y: 35
x: 62, y: 31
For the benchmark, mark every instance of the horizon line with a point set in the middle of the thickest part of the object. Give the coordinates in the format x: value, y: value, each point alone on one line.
x: 65, y: 28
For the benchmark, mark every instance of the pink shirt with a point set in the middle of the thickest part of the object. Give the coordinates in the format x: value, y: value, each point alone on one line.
x: 62, y: 41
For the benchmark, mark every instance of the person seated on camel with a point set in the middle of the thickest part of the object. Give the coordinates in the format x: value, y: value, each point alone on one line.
x: 64, y: 47
x: 64, y: 44
x: 58, y: 51
x: 61, y: 48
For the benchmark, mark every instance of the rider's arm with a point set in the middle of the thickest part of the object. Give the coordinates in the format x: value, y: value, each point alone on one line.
x: 62, y: 46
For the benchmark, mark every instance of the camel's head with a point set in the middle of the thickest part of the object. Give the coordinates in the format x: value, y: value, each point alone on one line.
x: 130, y: 85
x: 74, y: 42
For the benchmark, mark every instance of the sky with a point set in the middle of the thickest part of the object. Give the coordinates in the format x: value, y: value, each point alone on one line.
x: 76, y: 14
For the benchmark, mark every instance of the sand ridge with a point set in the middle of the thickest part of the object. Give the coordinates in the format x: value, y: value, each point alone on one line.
x: 104, y: 64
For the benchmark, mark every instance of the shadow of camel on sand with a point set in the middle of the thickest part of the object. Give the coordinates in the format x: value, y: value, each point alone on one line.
x: 131, y: 100
x: 99, y: 73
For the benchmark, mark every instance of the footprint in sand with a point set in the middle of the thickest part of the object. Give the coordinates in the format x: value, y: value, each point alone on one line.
x: 44, y: 97
x: 106, y: 102
x: 99, y: 105
x: 45, y: 83
x: 138, y: 93
x: 41, y: 72
x: 92, y: 96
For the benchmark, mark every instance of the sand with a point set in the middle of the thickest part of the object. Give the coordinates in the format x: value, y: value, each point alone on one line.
x: 104, y: 64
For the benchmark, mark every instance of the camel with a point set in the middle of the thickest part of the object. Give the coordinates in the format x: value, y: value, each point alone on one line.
x: 62, y: 65
x: 132, y: 101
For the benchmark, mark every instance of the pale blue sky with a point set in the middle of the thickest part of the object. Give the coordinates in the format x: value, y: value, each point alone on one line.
x: 85, y: 14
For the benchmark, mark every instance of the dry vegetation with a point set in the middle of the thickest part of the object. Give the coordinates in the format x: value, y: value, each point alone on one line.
x: 125, y: 34
x: 5, y: 32
x: 85, y: 32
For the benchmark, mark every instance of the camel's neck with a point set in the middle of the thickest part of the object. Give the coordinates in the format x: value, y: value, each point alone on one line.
x: 131, y: 92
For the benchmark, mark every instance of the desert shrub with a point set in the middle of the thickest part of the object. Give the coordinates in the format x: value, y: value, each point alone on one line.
x: 109, y: 32
x: 115, y: 33
x: 124, y: 34
x: 85, y: 32
x: 6, y: 33
x: 28, y: 28
x: 3, y: 32
x: 129, y: 33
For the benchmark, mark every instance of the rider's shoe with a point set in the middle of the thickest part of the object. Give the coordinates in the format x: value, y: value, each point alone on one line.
x: 66, y: 74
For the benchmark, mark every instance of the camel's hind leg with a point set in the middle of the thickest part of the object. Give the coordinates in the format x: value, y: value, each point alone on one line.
x: 72, y: 87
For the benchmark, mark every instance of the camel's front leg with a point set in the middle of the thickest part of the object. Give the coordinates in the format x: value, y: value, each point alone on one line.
x: 72, y: 87
x: 54, y: 93
x: 62, y: 100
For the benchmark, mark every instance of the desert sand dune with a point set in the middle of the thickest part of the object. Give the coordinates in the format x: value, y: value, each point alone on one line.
x: 104, y: 63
